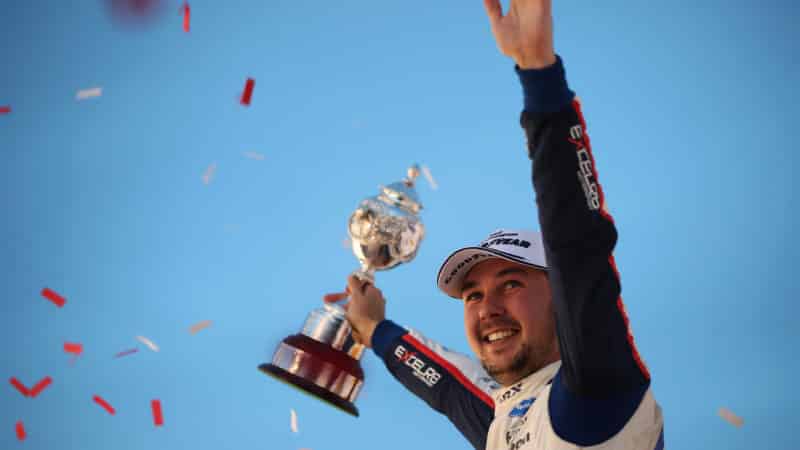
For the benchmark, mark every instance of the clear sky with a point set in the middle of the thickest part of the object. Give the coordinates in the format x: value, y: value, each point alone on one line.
x: 691, y: 107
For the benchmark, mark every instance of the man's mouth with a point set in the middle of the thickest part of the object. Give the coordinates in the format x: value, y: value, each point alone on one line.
x: 499, y: 335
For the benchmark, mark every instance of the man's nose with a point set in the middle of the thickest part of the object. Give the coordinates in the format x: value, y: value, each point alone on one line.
x: 491, y: 306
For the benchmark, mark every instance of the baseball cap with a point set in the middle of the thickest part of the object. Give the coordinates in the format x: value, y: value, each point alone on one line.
x: 520, y: 246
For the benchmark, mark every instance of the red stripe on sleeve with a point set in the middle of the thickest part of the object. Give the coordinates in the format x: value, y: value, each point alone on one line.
x: 453, y: 370
x: 604, y: 212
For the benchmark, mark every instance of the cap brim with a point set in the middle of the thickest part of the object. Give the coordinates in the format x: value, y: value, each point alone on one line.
x: 459, y: 263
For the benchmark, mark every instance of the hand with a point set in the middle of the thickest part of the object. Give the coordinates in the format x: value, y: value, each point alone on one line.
x: 365, y: 310
x: 525, y: 33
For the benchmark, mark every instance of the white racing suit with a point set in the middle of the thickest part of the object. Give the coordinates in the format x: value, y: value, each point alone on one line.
x: 598, y: 396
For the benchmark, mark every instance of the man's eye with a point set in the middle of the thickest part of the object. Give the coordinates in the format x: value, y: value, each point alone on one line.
x: 472, y: 296
x: 510, y: 284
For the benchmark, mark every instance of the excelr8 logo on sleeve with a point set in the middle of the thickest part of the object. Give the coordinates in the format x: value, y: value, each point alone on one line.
x: 420, y: 368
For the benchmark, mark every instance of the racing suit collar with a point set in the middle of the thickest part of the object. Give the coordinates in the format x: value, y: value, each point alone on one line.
x: 504, y: 398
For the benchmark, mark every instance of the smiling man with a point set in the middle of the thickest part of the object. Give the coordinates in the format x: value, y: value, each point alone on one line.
x: 542, y: 312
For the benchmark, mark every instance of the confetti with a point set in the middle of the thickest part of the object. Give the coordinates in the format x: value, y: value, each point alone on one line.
x: 158, y: 417
x: 429, y: 177
x: 20, y: 430
x: 730, y: 417
x: 209, y: 173
x: 40, y: 386
x: 20, y: 387
x: 186, y: 15
x: 89, y: 93
x: 293, y: 421
x: 333, y: 298
x: 53, y: 297
x: 148, y: 343
x: 73, y: 348
x: 100, y: 401
x: 199, y: 326
x: 254, y: 155
x: 126, y: 353
x: 248, y: 91
x: 347, y: 243
x: 5, y: 109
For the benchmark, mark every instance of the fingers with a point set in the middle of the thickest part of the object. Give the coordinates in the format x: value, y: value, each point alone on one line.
x: 355, y: 284
x: 493, y: 9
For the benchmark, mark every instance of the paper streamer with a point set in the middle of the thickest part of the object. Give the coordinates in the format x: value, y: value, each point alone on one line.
x: 158, y: 416
x: 186, y: 16
x: 293, y: 420
x: 254, y: 155
x: 731, y: 418
x: 89, y: 93
x: 209, y: 174
x: 148, y: 343
x: 126, y: 353
x: 40, y: 386
x: 5, y: 109
x: 74, y: 348
x: 427, y: 172
x: 200, y: 326
x: 248, y: 91
x: 100, y: 401
x: 20, y: 428
x: 20, y: 387
x: 54, y: 297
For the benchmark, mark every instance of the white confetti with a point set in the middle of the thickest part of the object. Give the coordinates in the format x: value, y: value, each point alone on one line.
x: 89, y: 93
x: 148, y: 343
x: 730, y: 417
x: 209, y: 173
x: 293, y: 421
x: 254, y: 155
x: 429, y: 177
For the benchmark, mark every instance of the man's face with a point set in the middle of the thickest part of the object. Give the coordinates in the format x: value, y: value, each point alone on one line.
x: 508, y: 318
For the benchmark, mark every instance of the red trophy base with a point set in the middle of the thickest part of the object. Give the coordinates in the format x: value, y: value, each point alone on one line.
x: 319, y: 369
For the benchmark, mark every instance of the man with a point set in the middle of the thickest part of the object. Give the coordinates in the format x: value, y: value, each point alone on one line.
x: 542, y: 312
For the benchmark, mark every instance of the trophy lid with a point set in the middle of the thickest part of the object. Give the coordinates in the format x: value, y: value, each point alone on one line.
x: 402, y: 193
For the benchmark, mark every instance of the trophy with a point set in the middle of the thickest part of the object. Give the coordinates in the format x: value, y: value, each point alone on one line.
x: 323, y: 359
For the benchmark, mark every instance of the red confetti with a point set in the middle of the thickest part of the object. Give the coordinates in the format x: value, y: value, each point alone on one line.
x: 158, y: 417
x: 186, y: 15
x: 70, y: 347
x: 20, y: 387
x: 5, y: 109
x: 53, y: 297
x: 40, y: 386
x: 20, y: 431
x: 248, y: 91
x: 126, y: 352
x: 333, y: 298
x: 99, y: 400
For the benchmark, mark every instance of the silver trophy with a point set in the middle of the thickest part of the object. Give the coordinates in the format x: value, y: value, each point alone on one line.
x: 323, y: 359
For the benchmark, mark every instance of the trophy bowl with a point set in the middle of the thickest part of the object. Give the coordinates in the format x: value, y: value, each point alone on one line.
x: 323, y: 359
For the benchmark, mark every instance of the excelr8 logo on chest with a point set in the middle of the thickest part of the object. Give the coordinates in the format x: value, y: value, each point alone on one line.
x: 421, y: 369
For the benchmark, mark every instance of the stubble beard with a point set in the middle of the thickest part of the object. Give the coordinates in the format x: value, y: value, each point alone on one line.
x: 525, y: 361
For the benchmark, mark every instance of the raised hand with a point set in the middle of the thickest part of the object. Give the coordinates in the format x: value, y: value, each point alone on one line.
x: 365, y: 310
x: 525, y: 32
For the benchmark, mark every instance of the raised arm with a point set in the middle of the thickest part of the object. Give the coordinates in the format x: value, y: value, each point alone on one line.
x: 602, y: 379
x: 449, y: 382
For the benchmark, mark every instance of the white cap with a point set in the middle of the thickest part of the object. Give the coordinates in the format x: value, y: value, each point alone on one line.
x: 520, y: 246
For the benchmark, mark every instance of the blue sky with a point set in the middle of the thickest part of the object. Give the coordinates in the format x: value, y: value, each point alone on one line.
x: 690, y: 106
